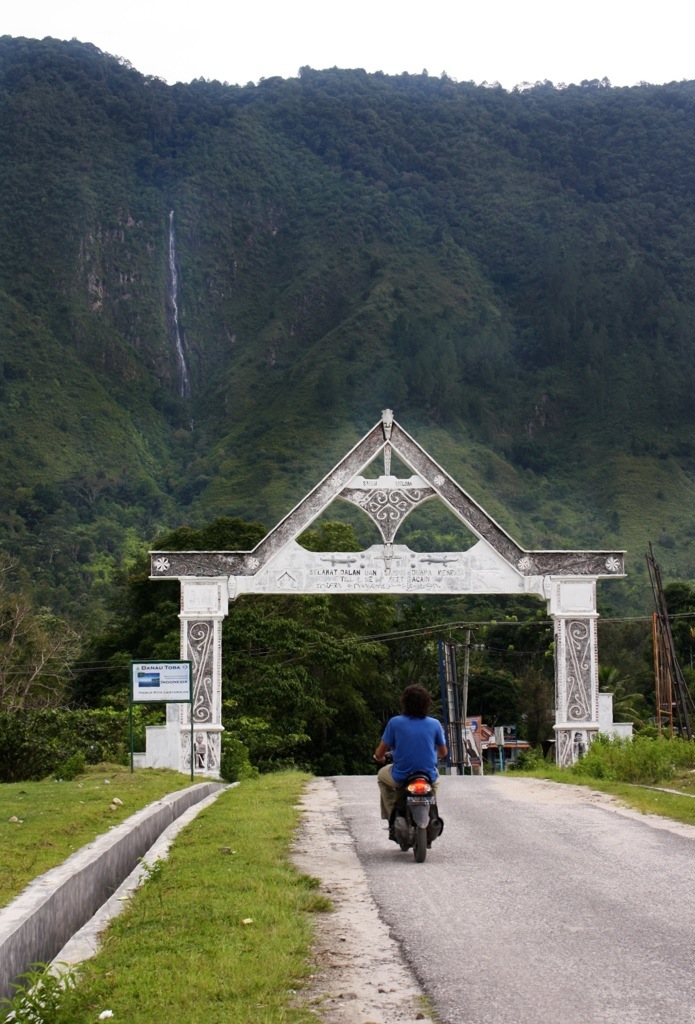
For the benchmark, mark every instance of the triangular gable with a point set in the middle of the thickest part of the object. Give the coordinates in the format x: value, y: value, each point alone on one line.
x: 389, y: 437
x: 389, y: 434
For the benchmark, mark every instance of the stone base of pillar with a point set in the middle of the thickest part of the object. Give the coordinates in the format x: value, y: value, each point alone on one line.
x: 207, y: 750
x: 161, y: 747
x: 571, y: 741
x: 169, y: 746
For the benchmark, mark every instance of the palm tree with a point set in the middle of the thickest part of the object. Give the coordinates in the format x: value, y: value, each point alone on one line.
x: 627, y: 706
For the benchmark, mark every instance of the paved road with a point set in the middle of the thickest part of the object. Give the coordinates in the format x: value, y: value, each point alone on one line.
x: 536, y: 909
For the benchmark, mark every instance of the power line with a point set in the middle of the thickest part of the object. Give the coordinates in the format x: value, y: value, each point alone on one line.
x: 83, y: 667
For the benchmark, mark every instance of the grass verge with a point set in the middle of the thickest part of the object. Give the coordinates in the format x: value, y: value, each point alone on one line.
x: 221, y: 931
x: 57, y: 818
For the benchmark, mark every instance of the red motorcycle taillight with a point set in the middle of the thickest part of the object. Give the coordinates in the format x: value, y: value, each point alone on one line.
x: 419, y: 787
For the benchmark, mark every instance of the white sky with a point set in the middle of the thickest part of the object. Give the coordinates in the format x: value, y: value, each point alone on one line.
x: 478, y: 40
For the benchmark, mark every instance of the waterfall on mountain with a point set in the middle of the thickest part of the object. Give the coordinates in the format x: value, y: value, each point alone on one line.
x: 184, y: 379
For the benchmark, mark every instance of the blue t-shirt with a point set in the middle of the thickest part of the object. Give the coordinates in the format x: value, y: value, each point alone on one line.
x: 414, y: 743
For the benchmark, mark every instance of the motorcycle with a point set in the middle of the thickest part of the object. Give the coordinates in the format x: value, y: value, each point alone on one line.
x: 415, y: 821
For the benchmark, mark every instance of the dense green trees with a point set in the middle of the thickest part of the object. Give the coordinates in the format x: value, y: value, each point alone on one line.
x: 313, y: 680
x: 307, y: 680
x: 512, y: 267
x: 300, y: 683
x: 511, y: 272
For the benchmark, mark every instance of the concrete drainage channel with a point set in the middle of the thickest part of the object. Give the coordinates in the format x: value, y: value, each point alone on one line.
x: 38, y: 923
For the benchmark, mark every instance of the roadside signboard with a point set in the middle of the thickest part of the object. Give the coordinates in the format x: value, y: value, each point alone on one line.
x: 160, y: 682
x: 166, y: 682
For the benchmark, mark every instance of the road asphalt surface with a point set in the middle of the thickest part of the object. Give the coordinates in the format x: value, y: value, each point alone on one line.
x: 539, y: 903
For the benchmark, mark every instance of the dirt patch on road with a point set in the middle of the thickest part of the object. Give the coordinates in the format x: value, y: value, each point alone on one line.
x: 362, y: 977
x: 542, y: 791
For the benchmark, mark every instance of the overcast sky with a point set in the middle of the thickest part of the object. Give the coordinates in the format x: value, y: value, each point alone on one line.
x: 478, y: 40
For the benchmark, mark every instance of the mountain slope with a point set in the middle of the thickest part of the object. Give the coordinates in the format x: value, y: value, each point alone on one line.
x: 512, y: 273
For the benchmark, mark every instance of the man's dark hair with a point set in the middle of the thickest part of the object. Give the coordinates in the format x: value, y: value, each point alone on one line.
x: 416, y: 701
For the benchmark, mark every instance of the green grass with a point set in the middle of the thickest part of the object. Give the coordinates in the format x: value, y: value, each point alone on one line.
x: 684, y: 783
x: 182, y: 951
x: 57, y: 818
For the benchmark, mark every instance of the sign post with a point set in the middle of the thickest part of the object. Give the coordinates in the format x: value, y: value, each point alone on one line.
x: 161, y: 682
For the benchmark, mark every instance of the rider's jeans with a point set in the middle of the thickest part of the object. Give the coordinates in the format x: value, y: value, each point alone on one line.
x: 388, y: 790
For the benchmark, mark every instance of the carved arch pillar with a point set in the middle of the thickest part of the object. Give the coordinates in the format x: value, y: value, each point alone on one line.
x: 204, y: 604
x: 572, y: 604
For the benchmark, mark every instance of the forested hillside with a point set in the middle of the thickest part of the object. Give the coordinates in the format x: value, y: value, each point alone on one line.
x: 512, y: 273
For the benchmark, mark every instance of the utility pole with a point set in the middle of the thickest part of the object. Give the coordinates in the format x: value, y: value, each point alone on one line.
x: 464, y: 696
x: 671, y: 687
x: 466, y: 666
x: 451, y: 706
x: 662, y: 678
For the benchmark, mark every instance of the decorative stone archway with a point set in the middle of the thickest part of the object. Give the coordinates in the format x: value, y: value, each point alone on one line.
x: 496, y: 564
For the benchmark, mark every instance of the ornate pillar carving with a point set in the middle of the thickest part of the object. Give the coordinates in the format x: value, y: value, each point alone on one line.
x: 204, y: 604
x: 572, y: 603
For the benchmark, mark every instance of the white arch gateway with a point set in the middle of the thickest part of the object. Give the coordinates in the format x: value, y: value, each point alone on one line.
x: 496, y: 564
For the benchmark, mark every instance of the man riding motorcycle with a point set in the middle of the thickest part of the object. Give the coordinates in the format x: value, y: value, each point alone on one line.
x: 415, y: 740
